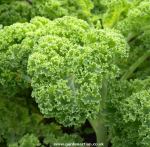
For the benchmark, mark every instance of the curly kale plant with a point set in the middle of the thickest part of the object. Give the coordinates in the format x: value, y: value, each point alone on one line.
x: 69, y: 62
x: 59, y: 73
x: 68, y: 66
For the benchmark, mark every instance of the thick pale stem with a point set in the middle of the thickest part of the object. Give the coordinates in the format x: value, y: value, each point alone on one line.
x: 135, y: 65
x: 99, y: 124
x: 100, y: 131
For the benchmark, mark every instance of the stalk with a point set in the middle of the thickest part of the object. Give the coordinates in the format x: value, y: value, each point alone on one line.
x: 135, y: 65
x: 100, y: 131
x: 99, y: 124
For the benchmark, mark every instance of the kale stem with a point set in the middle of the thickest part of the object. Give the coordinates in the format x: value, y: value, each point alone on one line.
x: 100, y: 131
x: 99, y: 124
x: 135, y: 65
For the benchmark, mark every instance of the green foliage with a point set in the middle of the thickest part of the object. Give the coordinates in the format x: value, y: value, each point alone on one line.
x: 57, y: 8
x: 137, y: 20
x: 49, y: 8
x: 23, y: 11
x: 65, y: 68
x: 116, y: 11
x: 65, y: 58
x: 128, y: 113
x: 23, y: 121
x: 14, y: 50
x: 27, y: 141
x: 15, y: 11
x: 75, y: 61
x: 136, y: 29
